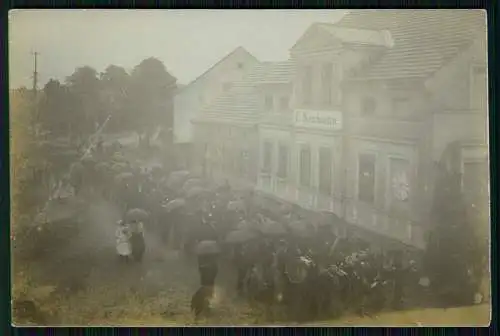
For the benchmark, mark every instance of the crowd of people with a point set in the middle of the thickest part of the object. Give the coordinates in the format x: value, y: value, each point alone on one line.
x: 280, y: 256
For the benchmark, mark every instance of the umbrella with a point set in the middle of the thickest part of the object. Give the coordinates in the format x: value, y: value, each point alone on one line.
x: 174, y: 204
x: 118, y: 166
x: 102, y: 168
x: 240, y: 236
x: 123, y: 176
x: 196, y: 191
x: 136, y: 215
x: 273, y: 228
x: 236, y: 206
x: 300, y: 229
x: 207, y: 247
x: 244, y: 225
x: 285, y: 208
x: 177, y: 178
x: 191, y: 183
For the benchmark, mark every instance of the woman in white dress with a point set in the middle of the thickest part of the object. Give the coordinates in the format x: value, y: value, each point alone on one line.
x: 123, y: 245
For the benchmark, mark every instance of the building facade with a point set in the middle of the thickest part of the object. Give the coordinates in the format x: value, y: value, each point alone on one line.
x: 377, y: 98
x: 227, y: 131
x: 190, y: 99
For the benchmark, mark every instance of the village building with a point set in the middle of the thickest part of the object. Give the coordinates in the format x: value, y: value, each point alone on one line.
x: 377, y: 98
x: 190, y: 99
x: 227, y: 133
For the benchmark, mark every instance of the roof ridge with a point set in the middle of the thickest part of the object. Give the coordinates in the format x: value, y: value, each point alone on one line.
x: 217, y: 63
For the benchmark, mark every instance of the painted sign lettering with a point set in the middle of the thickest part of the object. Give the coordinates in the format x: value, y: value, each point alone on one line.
x: 330, y: 120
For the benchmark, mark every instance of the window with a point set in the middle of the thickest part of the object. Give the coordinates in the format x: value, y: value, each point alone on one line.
x: 307, y: 85
x: 284, y: 103
x: 366, y: 178
x: 269, y: 103
x: 368, y: 106
x: 282, y: 161
x: 240, y: 65
x: 305, y: 166
x: 479, y: 88
x: 400, y: 105
x: 325, y: 171
x: 399, y: 179
x: 226, y: 86
x: 267, y: 157
x: 327, y: 81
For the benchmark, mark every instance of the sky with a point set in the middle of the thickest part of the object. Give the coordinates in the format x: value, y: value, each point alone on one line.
x: 187, y: 41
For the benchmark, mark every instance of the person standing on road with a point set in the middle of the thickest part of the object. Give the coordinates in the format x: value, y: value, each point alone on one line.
x: 137, y: 240
x: 123, y: 246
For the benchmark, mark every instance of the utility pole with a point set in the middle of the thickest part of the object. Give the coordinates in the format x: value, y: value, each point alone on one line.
x: 35, y: 72
x: 35, y: 89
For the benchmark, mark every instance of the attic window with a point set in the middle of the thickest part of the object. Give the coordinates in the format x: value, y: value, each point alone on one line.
x: 240, y: 65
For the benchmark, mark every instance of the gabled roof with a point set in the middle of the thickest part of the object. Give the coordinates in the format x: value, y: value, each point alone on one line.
x: 424, y: 40
x: 352, y: 36
x: 242, y: 102
x: 203, y: 75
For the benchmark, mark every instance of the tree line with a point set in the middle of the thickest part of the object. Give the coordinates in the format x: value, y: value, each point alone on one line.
x: 55, y: 123
x: 138, y: 101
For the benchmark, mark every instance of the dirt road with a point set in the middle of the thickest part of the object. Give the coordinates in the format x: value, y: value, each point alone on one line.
x: 89, y: 286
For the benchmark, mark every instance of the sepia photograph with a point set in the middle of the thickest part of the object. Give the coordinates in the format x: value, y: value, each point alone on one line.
x: 249, y: 167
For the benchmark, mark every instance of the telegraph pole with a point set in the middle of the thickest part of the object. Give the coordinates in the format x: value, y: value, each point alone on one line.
x: 35, y: 88
x: 35, y: 72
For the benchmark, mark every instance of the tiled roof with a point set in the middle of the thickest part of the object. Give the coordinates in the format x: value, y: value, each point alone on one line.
x: 203, y: 75
x: 242, y: 102
x: 359, y: 36
x: 424, y: 40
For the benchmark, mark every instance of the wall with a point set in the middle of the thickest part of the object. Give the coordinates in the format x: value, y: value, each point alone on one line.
x: 377, y: 216
x: 449, y: 87
x: 189, y: 101
x: 289, y: 188
x: 221, y: 137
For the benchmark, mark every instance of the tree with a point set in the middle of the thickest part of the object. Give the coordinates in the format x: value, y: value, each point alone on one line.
x: 114, y: 88
x: 150, y: 97
x: 452, y: 246
x: 55, y: 110
x: 84, y: 87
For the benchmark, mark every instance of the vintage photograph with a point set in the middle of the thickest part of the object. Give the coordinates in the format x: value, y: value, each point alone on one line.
x: 249, y: 167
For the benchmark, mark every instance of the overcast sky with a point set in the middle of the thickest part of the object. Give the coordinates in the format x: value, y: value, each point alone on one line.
x: 187, y: 41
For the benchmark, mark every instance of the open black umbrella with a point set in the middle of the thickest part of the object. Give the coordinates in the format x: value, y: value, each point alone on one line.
x: 240, y: 236
x: 174, y: 204
x: 136, y: 215
x: 177, y: 178
x: 191, y: 183
x: 207, y: 247
x: 123, y: 177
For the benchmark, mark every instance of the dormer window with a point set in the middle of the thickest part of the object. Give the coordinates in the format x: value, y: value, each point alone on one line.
x: 368, y: 106
x: 268, y: 103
